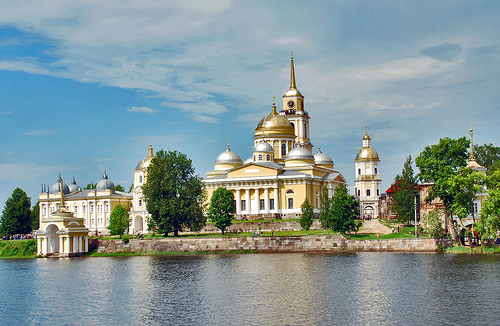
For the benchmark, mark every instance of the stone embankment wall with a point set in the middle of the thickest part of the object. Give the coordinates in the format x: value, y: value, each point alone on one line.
x: 280, y: 225
x: 319, y: 243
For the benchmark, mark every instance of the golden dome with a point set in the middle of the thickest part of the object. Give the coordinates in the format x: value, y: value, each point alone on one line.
x: 274, y: 124
x: 367, y: 154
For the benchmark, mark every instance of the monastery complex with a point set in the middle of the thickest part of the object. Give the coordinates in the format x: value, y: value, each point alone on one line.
x: 273, y: 182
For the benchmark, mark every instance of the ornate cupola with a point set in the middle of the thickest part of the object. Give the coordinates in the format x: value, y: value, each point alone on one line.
x: 293, y: 110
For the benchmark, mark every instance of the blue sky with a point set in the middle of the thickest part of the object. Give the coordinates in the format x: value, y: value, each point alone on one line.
x: 85, y: 85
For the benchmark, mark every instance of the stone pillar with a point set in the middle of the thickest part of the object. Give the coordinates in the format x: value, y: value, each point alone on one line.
x: 266, y: 199
x: 80, y: 243
x: 61, y: 248
x: 70, y: 239
x: 39, y: 244
x: 238, y: 201
x: 87, y: 243
x: 247, y: 199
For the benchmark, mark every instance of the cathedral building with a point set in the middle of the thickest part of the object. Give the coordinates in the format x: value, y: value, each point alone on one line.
x: 367, y: 184
x: 282, y: 171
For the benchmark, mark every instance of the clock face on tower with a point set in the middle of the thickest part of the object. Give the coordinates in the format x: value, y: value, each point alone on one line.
x: 290, y: 104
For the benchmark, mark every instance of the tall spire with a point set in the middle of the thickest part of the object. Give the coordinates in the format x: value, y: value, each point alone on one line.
x: 472, y: 156
x: 292, y: 75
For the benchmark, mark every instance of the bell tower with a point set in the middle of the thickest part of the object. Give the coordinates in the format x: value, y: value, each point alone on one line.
x: 293, y: 110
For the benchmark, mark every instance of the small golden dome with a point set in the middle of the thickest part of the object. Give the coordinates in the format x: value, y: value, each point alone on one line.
x: 274, y: 124
x: 367, y: 154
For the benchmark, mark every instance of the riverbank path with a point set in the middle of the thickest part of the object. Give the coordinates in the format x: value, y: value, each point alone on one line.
x: 374, y: 226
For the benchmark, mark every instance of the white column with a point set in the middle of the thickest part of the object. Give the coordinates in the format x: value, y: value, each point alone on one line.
x: 238, y: 202
x: 80, y: 243
x: 61, y: 248
x: 266, y: 199
x: 87, y: 243
x: 276, y: 199
x: 257, y: 201
x: 70, y: 239
x: 39, y: 244
x: 247, y: 199
x: 46, y: 244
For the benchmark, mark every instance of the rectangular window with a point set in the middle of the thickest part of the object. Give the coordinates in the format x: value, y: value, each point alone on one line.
x: 375, y: 170
x: 243, y: 205
x: 271, y: 204
x: 140, y: 202
x: 475, y: 208
x: 368, y: 192
x: 359, y: 171
x: 290, y: 203
x: 83, y: 209
x: 262, y: 207
x: 75, y: 209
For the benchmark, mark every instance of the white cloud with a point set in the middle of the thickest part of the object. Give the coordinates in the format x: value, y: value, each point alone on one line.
x: 204, y: 119
x: 7, y: 112
x: 141, y: 109
x: 201, y: 108
x: 40, y: 133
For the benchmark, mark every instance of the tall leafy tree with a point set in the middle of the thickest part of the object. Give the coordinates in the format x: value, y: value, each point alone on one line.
x: 465, y: 184
x: 173, y: 193
x: 403, y: 196
x: 16, y: 215
x: 118, y: 220
x: 306, y: 219
x: 35, y: 216
x: 489, y: 223
x: 119, y: 188
x: 221, y: 208
x: 438, y: 163
x: 488, y: 156
x: 325, y: 215
x: 343, y: 210
x: 432, y: 224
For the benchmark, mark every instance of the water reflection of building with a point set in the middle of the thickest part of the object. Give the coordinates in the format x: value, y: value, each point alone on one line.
x: 282, y: 171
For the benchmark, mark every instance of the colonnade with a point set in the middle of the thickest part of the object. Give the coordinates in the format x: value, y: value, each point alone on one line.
x: 66, y: 244
x: 253, y: 206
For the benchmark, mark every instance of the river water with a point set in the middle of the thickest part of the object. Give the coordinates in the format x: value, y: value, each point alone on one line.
x: 253, y: 289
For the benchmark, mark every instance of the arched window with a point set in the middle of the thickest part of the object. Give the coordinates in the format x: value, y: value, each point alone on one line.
x: 268, y: 157
x: 290, y: 192
x: 376, y: 171
x: 293, y: 126
x: 283, y: 149
x: 290, y: 203
x: 359, y: 171
x: 368, y: 192
x: 260, y: 157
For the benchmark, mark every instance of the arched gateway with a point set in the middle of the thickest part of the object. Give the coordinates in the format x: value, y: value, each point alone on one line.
x: 62, y: 234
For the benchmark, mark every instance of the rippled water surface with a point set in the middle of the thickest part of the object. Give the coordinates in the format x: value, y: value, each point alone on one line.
x: 253, y: 289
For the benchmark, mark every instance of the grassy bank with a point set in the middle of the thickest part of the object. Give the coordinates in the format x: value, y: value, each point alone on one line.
x: 472, y: 250
x: 18, y: 248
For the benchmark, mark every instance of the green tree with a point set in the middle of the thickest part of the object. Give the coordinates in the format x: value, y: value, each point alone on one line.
x: 118, y: 220
x: 464, y: 185
x: 403, y: 196
x: 438, y: 163
x: 35, y: 216
x: 489, y: 222
x: 221, y: 208
x: 173, y: 193
x: 16, y: 215
x: 433, y: 225
x: 488, y: 156
x: 90, y: 186
x: 119, y: 188
x: 343, y: 210
x: 306, y: 219
x: 325, y: 215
